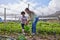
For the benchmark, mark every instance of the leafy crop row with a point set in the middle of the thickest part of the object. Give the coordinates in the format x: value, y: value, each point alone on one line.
x: 42, y: 27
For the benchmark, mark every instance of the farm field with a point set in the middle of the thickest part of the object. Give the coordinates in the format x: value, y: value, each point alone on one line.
x: 45, y: 30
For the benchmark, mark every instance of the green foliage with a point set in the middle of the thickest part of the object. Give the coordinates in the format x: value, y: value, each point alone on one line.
x: 48, y: 28
x: 42, y: 27
x: 27, y: 29
x: 10, y: 27
x: 21, y: 37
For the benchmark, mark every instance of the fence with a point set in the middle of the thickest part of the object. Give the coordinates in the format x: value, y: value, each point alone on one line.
x: 8, y: 14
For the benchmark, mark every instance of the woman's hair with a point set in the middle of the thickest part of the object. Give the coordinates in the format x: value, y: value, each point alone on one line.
x: 27, y: 9
x: 22, y: 12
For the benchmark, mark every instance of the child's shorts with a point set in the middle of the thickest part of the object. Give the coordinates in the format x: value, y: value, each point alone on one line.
x: 22, y: 26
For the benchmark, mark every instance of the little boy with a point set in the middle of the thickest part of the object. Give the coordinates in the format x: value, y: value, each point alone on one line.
x: 23, y: 20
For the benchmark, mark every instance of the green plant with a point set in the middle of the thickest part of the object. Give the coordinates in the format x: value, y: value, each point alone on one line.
x: 21, y: 37
x: 27, y: 29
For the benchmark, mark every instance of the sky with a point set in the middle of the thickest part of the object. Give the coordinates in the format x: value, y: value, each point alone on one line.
x: 45, y: 7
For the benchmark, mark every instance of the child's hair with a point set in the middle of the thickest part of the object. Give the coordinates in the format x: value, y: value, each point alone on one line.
x: 22, y: 12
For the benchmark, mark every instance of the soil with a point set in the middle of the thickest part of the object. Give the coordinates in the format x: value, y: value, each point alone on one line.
x: 43, y: 37
x: 38, y: 37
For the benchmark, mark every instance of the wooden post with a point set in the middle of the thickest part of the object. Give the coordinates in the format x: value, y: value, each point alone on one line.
x: 15, y: 17
x: 4, y: 14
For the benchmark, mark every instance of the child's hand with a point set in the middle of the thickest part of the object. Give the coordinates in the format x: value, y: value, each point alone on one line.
x: 26, y: 23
